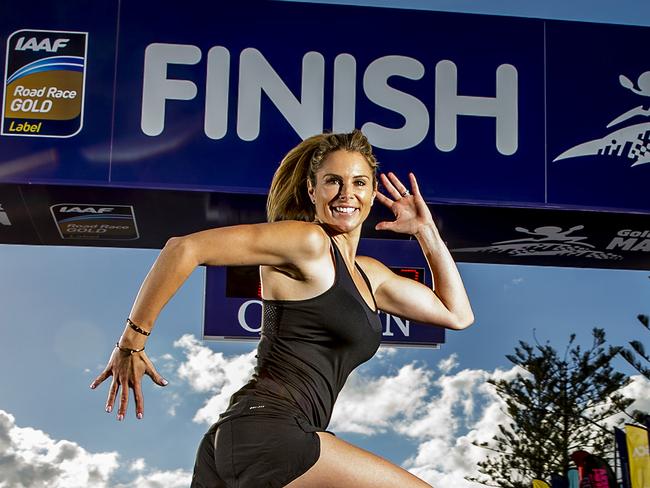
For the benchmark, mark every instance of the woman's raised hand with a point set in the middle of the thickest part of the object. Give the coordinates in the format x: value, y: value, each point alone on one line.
x: 127, y: 369
x: 410, y: 209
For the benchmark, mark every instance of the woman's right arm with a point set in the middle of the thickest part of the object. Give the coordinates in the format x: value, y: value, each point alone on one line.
x: 287, y: 244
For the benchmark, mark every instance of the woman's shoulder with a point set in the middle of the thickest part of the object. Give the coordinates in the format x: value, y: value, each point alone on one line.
x: 376, y: 271
x: 309, y: 238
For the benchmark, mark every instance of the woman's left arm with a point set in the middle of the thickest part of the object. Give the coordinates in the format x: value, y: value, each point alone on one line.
x: 447, y: 304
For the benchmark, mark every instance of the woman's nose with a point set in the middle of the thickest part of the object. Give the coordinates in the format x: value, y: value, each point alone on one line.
x: 346, y: 191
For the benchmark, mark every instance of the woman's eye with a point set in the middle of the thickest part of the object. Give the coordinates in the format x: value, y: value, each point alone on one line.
x: 360, y: 183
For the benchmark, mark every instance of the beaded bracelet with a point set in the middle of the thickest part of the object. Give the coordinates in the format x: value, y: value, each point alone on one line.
x: 126, y: 349
x: 136, y: 328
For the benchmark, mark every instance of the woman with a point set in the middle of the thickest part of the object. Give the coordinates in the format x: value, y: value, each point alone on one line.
x: 320, y: 318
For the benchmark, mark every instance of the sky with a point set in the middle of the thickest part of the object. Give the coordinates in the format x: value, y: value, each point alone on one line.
x: 62, y: 308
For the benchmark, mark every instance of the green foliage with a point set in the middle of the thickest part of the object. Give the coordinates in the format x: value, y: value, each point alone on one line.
x: 556, y: 405
x: 637, y: 355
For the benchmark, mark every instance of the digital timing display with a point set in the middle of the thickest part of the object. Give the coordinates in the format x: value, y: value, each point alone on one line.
x: 244, y: 281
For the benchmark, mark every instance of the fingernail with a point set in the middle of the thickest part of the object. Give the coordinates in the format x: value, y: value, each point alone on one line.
x: 139, y: 415
x: 109, y: 409
x: 164, y: 382
x: 120, y: 417
x: 92, y: 385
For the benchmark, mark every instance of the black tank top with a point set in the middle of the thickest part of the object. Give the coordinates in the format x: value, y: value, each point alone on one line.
x: 307, y: 350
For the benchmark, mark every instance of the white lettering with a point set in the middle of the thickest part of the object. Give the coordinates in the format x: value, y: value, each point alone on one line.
x: 403, y: 325
x: 633, y: 233
x: 216, y: 93
x: 157, y: 88
x: 4, y: 218
x: 33, y: 45
x: 644, y: 245
x: 304, y: 111
x: 241, y: 315
x: 30, y: 105
x: 625, y: 244
x: 54, y: 92
x: 345, y: 93
x: 376, y: 88
x: 59, y: 43
x: 257, y: 75
x: 86, y: 210
x: 449, y: 105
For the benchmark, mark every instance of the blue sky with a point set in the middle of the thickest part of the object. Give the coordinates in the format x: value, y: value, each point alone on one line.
x: 62, y: 308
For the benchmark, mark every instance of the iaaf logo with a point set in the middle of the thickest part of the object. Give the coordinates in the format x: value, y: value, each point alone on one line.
x: 94, y: 210
x: 548, y: 240
x: 33, y: 44
x: 632, y: 142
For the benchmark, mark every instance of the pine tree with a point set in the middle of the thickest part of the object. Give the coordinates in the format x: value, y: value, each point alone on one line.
x: 635, y: 355
x: 556, y: 405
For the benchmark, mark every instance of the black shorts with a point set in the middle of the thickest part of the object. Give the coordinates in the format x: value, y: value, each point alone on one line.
x: 256, y: 451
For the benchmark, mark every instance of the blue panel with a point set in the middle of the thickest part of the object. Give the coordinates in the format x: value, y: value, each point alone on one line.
x: 598, y: 116
x: 233, y: 317
x: 582, y: 131
x: 182, y: 155
x: 82, y: 158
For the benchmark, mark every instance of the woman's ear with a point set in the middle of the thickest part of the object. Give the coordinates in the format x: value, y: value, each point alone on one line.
x: 310, y: 191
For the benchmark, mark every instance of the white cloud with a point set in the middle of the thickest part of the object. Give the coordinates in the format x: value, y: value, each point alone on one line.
x: 445, y: 412
x: 137, y: 465
x: 207, y: 371
x: 31, y: 458
x: 639, y: 389
x: 161, y: 479
x: 370, y: 405
x: 448, y: 364
x: 385, y: 352
x: 463, y: 410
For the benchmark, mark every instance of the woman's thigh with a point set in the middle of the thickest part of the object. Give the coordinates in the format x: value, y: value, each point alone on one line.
x: 341, y: 464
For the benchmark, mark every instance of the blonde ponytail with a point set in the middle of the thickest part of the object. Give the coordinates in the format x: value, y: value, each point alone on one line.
x: 288, y: 198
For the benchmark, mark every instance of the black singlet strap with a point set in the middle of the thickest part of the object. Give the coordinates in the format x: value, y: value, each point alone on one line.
x: 365, y: 278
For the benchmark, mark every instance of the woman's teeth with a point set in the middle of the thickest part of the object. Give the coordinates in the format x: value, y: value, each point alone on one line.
x: 347, y: 210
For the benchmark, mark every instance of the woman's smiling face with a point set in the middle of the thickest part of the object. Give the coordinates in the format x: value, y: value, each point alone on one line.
x: 344, y: 190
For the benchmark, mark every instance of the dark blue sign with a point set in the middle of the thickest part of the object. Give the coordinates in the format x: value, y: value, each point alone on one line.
x: 598, y: 116
x: 489, y: 110
x: 497, y: 116
x: 233, y: 303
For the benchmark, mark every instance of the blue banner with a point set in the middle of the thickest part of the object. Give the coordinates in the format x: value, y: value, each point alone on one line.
x: 489, y: 110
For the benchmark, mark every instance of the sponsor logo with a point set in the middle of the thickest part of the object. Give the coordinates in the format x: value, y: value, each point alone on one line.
x: 545, y: 241
x: 631, y: 240
x: 45, y: 75
x: 4, y: 218
x: 631, y: 141
x: 95, y: 222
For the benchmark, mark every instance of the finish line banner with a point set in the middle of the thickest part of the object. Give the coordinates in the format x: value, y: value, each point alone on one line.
x: 501, y: 118
x: 484, y: 109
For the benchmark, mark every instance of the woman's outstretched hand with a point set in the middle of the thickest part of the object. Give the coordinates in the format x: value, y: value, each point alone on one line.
x: 127, y: 370
x: 410, y: 209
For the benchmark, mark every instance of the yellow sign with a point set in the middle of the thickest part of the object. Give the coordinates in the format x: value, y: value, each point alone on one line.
x: 637, y: 448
